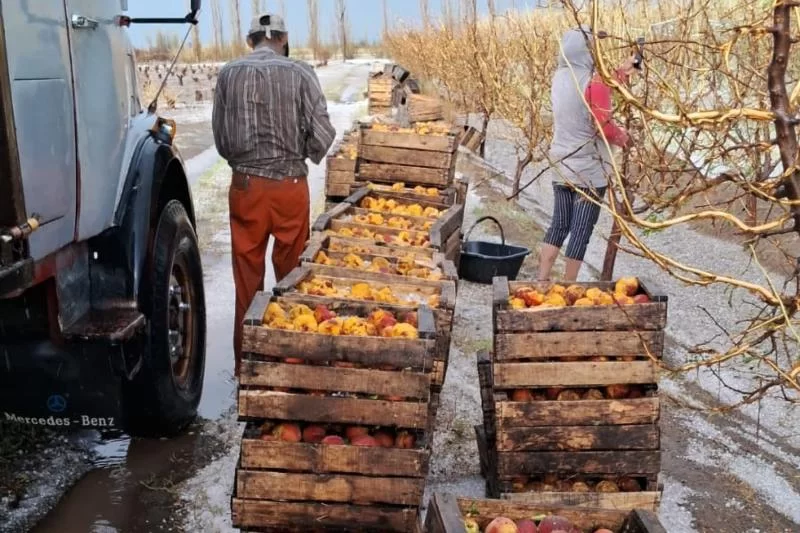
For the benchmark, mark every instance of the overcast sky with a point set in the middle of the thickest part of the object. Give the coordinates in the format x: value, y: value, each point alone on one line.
x: 366, y: 16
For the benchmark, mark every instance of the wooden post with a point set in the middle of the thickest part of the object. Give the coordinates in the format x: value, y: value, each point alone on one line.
x: 613, y: 244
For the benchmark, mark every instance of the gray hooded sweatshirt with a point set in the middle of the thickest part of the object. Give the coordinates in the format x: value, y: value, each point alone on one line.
x: 575, y: 130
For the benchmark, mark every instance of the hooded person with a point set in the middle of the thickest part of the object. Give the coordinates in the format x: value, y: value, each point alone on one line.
x: 580, y: 158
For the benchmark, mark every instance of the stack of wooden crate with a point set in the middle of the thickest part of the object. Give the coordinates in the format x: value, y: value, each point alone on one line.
x: 340, y: 167
x: 424, y: 155
x: 379, y: 93
x: 570, y: 401
x: 447, y: 514
x: 339, y: 425
x: 331, y: 285
x: 374, y: 216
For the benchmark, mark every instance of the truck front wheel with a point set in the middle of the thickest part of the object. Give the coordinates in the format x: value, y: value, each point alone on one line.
x: 163, y: 397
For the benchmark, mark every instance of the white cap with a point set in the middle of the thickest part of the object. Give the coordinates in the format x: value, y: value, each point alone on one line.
x: 267, y: 23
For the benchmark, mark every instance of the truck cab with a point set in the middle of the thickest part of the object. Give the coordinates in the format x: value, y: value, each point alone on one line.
x: 102, y: 308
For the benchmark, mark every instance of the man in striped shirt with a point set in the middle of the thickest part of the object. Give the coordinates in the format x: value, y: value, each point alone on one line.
x: 269, y: 116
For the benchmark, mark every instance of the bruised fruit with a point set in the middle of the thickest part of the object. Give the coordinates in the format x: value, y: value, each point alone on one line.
x: 364, y: 440
x: 501, y: 524
x: 580, y: 486
x: 287, y: 432
x: 527, y: 526
x: 568, y: 396
x: 522, y: 395
x: 384, y: 439
x: 332, y: 439
x: 471, y: 526
x: 554, y: 523
x: 322, y: 313
x: 606, y: 486
x: 404, y: 440
x: 355, y: 431
x: 628, y: 286
x: 313, y: 434
x: 617, y: 392
x: 628, y: 484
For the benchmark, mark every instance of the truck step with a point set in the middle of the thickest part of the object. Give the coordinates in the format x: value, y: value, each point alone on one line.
x: 111, y: 325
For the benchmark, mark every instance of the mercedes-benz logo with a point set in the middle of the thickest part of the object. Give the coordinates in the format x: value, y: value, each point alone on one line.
x: 56, y: 403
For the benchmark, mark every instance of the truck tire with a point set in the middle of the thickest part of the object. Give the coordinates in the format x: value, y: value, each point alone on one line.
x: 162, y: 399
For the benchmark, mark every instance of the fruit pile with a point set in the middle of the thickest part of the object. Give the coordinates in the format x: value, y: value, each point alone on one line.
x: 546, y: 524
x: 552, y: 483
x: 626, y: 292
x: 395, y: 207
x: 300, y: 317
x: 399, y: 186
x: 404, y: 266
x: 403, y: 238
x: 336, y: 435
x: 552, y: 394
x: 436, y: 129
x: 348, y: 151
x: 362, y: 291
x: 396, y: 222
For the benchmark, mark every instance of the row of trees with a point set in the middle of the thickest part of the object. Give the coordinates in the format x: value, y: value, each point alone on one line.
x: 715, y: 118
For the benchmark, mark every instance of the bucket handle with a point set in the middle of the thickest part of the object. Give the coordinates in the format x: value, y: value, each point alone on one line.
x: 497, y: 223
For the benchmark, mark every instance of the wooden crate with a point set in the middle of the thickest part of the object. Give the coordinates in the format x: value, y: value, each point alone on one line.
x: 446, y: 514
x: 285, y: 486
x: 416, y: 292
x: 443, y: 236
x: 340, y: 170
x: 379, y: 94
x: 545, y: 351
x: 390, y: 157
x: 336, y: 248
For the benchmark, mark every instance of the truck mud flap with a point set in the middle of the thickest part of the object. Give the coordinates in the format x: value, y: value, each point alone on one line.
x: 76, y: 386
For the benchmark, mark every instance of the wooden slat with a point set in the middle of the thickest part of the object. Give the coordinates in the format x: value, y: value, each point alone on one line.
x: 340, y: 164
x: 347, y: 177
x: 409, y: 174
x: 341, y: 459
x: 626, y: 501
x: 403, y: 156
x: 577, y: 413
x: 332, y: 379
x: 511, y: 346
x: 415, y: 354
x: 446, y: 225
x: 388, y: 279
x: 292, y: 279
x: 292, y: 516
x: 255, y: 313
x: 412, y: 141
x: 554, y: 438
x: 584, y: 374
x: 643, y: 521
x: 649, y: 316
x: 631, y: 463
x: 324, y: 220
x: 337, y: 190
x: 341, y: 488
x: 266, y: 404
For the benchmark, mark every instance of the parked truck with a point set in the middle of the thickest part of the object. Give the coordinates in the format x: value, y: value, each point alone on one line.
x: 102, y: 309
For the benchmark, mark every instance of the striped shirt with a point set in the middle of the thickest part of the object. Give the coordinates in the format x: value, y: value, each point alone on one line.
x: 270, y: 115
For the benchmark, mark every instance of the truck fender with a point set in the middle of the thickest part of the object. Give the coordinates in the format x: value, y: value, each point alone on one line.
x: 156, y: 176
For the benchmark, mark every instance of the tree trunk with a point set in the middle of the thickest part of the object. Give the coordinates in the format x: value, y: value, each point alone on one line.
x: 484, y: 127
x: 522, y: 164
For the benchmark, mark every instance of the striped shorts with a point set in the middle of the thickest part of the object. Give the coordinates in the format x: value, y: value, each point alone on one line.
x: 575, y: 216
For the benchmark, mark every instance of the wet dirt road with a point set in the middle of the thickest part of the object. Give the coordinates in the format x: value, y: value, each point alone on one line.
x: 134, y: 484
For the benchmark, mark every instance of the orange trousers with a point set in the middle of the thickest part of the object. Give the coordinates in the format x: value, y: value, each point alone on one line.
x: 260, y: 207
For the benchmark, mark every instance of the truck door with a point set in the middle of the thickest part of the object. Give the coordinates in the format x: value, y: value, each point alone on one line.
x: 99, y: 48
x: 37, y: 50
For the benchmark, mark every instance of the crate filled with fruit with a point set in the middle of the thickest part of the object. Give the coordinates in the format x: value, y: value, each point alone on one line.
x: 441, y: 197
x: 305, y: 476
x: 448, y: 514
x: 350, y: 374
x: 398, y: 223
x: 340, y: 167
x: 329, y: 287
x: 391, y: 263
x: 424, y: 154
x: 570, y: 395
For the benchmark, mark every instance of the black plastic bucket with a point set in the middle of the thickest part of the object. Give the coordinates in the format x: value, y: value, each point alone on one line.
x: 481, y: 261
